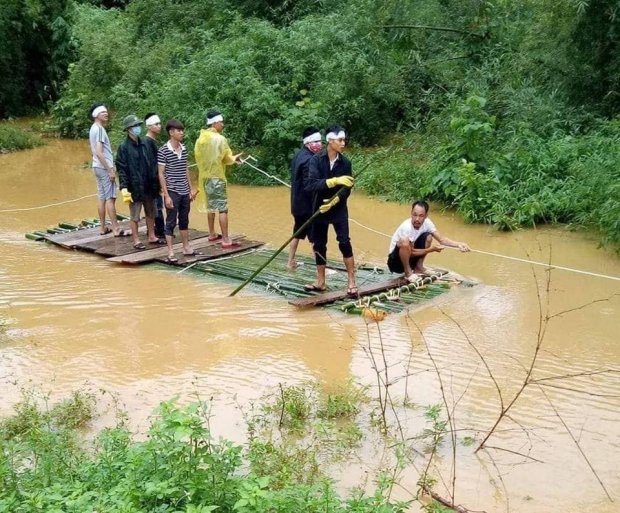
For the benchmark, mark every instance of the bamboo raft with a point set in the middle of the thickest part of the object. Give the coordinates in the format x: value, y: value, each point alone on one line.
x: 378, y: 290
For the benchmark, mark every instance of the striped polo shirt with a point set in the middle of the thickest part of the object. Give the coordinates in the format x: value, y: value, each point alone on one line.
x: 175, y: 171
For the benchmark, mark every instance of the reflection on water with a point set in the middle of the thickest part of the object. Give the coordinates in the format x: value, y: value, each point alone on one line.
x: 150, y: 333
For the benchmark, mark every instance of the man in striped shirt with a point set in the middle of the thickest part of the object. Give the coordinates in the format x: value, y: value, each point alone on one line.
x: 175, y: 185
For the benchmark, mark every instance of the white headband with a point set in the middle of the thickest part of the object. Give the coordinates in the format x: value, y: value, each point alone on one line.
x: 99, y: 110
x: 152, y: 120
x: 214, y: 119
x: 333, y: 135
x: 315, y: 137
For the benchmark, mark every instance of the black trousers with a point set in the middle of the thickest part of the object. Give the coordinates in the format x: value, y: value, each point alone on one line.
x: 394, y: 263
x: 320, y: 228
x: 180, y: 210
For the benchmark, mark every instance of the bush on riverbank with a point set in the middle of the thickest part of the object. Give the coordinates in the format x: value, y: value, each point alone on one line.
x: 13, y: 138
x: 46, y: 465
x: 505, y: 107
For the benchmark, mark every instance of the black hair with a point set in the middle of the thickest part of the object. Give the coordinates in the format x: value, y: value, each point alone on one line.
x: 334, y: 128
x: 174, y: 123
x: 94, y: 106
x: 309, y: 131
x: 420, y: 203
x: 213, y: 113
x: 149, y: 114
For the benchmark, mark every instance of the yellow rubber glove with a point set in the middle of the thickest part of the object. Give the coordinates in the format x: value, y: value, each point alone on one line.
x: 126, y: 195
x: 345, y: 180
x: 327, y: 204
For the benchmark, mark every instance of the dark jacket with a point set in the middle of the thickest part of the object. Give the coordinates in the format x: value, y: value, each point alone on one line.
x: 151, y: 151
x: 318, y: 173
x: 136, y: 171
x: 301, y: 200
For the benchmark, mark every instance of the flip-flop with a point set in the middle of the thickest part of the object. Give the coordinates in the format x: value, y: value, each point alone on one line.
x: 106, y: 231
x: 314, y: 288
x: 228, y: 245
x: 123, y: 233
x: 214, y: 237
x: 171, y: 260
x: 193, y: 253
x: 353, y: 292
x: 139, y: 245
x: 158, y: 241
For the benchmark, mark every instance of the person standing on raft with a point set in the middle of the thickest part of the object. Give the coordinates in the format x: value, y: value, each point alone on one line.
x: 301, y: 200
x: 412, y: 240
x: 138, y: 179
x: 212, y: 155
x: 103, y: 168
x: 175, y: 184
x: 328, y: 170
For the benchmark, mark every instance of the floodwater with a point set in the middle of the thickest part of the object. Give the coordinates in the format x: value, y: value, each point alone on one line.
x: 149, y: 333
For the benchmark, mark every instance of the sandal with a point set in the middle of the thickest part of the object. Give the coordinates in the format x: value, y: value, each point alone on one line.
x: 314, y: 288
x: 353, y: 292
x: 158, y: 241
x: 139, y: 245
x: 171, y: 260
x: 123, y: 233
x: 233, y: 244
x: 106, y: 231
x: 193, y: 253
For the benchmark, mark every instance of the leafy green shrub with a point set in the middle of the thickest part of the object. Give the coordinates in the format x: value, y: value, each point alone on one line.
x: 178, y: 468
x: 13, y: 138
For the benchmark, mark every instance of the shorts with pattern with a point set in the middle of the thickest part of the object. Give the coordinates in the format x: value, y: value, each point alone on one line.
x: 217, y: 197
x: 106, y: 188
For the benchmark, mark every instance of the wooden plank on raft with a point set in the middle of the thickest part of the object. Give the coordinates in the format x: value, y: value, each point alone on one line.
x: 118, y: 246
x: 160, y: 252
x: 330, y: 297
x: 212, y: 252
x: 85, y: 235
x: 336, y: 295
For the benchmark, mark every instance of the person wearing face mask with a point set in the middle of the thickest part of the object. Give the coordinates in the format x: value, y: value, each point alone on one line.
x: 329, y: 173
x: 138, y: 179
x: 301, y: 200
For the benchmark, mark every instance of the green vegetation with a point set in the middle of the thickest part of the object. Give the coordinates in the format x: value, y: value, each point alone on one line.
x: 13, y: 138
x: 503, y: 110
x: 47, y: 464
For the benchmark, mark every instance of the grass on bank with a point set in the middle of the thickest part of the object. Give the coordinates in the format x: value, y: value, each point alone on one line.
x: 13, y: 138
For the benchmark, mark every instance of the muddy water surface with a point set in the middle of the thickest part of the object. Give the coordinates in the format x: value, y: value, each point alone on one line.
x: 149, y: 333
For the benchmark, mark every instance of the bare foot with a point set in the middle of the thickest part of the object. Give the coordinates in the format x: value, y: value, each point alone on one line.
x: 291, y: 266
x: 420, y: 270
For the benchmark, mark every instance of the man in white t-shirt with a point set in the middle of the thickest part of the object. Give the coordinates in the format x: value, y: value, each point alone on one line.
x: 411, y: 242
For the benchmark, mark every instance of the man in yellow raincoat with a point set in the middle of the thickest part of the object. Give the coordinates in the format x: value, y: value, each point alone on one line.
x: 212, y: 155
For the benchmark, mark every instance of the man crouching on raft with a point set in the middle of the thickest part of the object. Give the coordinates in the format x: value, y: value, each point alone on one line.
x: 411, y: 243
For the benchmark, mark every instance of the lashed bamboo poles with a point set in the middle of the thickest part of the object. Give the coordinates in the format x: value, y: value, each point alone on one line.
x: 281, y: 248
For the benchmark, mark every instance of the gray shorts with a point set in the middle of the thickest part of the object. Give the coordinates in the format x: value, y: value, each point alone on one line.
x: 217, y: 197
x: 148, y: 202
x: 106, y: 188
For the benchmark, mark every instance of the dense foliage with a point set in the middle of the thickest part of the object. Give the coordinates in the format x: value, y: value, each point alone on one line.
x: 14, y: 138
x: 507, y: 109
x: 46, y: 464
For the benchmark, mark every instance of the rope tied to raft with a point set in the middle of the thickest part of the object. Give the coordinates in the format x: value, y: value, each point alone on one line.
x: 275, y: 286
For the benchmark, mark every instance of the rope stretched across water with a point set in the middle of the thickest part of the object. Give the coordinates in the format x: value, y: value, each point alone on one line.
x: 245, y: 161
x: 524, y: 260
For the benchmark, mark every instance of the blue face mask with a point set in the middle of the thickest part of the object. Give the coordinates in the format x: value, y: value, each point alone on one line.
x: 136, y: 130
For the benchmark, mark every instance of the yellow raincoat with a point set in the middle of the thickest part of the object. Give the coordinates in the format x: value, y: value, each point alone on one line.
x: 212, y: 155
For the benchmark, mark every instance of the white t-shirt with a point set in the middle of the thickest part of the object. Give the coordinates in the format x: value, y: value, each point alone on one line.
x: 406, y: 229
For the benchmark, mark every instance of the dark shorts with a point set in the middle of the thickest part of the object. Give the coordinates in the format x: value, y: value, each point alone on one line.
x: 299, y: 222
x: 180, y: 211
x: 394, y: 263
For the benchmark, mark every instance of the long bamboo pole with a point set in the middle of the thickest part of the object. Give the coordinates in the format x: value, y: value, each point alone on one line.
x: 272, y: 257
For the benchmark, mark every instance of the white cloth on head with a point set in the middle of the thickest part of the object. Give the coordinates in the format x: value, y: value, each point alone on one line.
x: 152, y: 120
x: 214, y: 119
x: 99, y: 110
x: 406, y: 230
x: 315, y: 137
x: 333, y: 135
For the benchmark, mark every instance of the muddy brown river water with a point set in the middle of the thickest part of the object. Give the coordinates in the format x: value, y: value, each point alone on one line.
x: 148, y: 334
